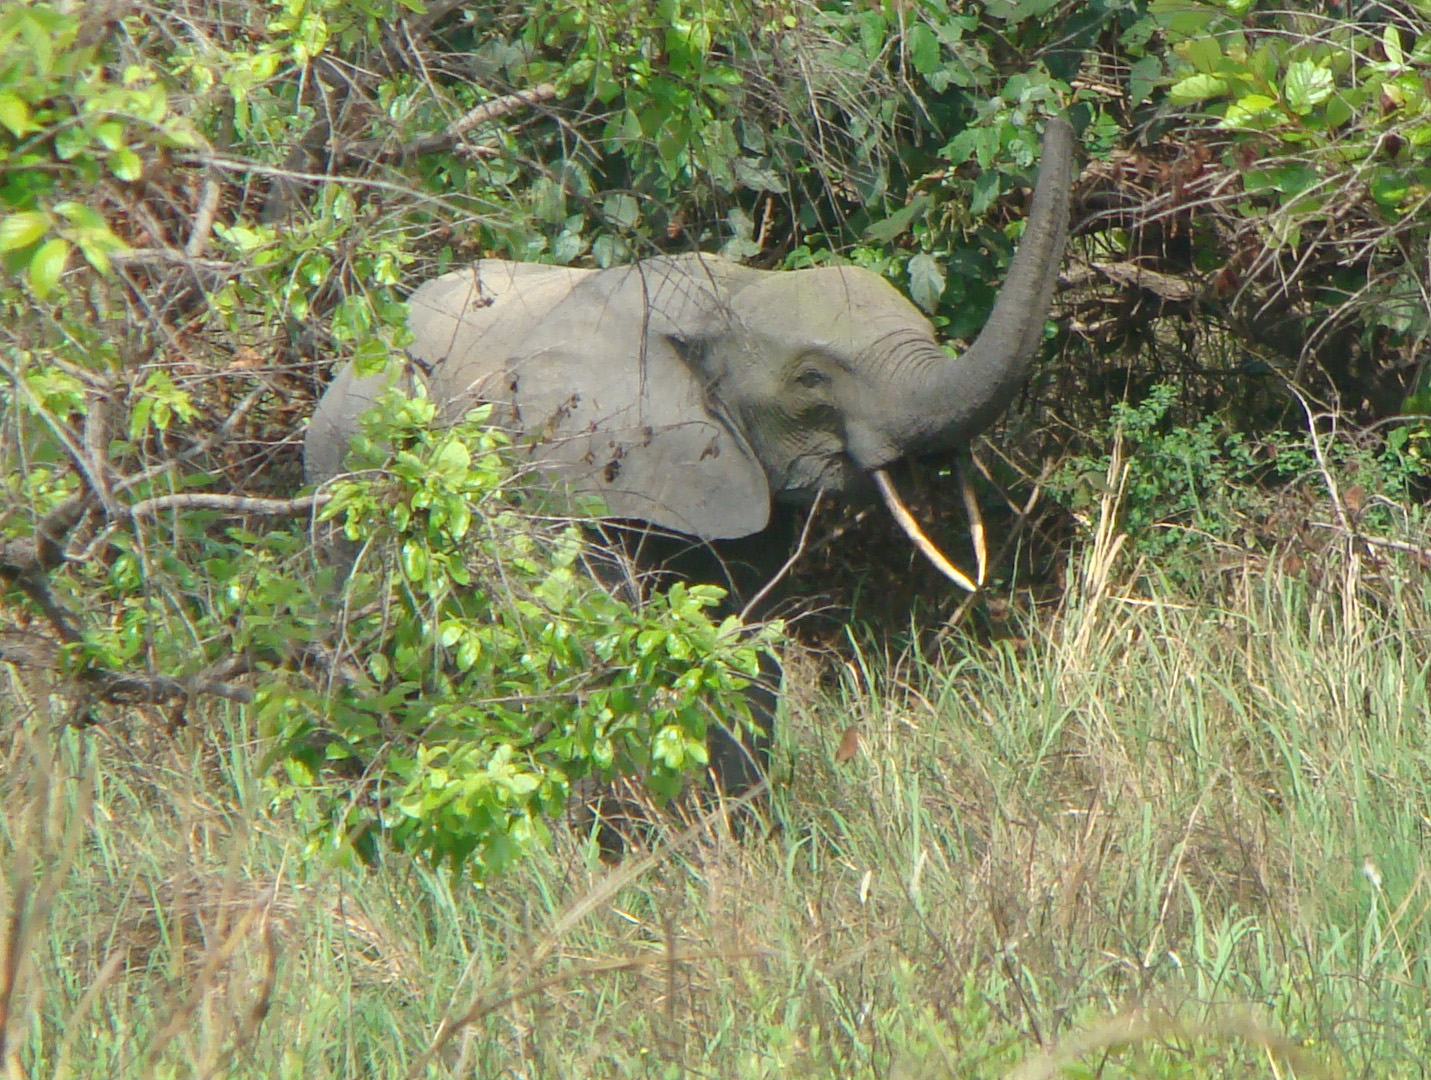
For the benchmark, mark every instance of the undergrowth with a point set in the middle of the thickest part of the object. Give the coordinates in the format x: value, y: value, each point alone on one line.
x: 1166, y: 832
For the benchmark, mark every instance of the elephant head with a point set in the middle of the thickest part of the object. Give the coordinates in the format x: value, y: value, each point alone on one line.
x: 692, y: 392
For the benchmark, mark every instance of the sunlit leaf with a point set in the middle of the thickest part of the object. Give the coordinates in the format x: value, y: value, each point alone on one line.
x: 22, y: 230
x: 15, y: 115
x: 1197, y: 88
x: 1391, y: 44
x: 47, y: 265
x: 1306, y: 86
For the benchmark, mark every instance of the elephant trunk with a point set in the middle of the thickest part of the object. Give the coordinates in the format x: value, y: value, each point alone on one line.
x: 965, y: 395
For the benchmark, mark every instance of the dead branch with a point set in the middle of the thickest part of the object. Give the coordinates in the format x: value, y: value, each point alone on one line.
x: 1165, y: 286
x: 204, y: 219
x: 26, y: 649
x: 229, y: 504
x: 450, y: 136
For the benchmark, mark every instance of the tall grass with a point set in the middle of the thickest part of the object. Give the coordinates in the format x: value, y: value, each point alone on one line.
x: 1157, y: 835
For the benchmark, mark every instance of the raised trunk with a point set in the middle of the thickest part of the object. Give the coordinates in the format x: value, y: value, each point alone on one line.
x: 963, y: 396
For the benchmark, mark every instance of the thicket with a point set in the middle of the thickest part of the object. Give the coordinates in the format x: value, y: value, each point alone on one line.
x: 209, y: 206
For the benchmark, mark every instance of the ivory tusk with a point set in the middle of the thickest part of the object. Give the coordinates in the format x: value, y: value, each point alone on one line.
x: 976, y: 524
x: 916, y: 534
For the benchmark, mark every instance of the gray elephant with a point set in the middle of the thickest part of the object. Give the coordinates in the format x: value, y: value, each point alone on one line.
x: 695, y: 394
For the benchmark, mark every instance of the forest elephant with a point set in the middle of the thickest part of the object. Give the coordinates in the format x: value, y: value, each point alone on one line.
x: 696, y: 394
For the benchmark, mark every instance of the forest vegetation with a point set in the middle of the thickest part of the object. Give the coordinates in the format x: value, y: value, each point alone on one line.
x: 1155, y: 803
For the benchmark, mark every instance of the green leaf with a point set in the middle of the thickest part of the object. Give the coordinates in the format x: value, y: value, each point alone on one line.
x: 1196, y: 88
x: 981, y: 143
x: 1306, y: 86
x: 887, y: 230
x: 126, y: 164
x: 110, y: 134
x: 1389, y: 188
x: 139, y: 421
x: 22, y: 230
x: 47, y: 265
x: 755, y: 176
x: 70, y: 142
x: 1203, y: 53
x: 468, y: 652
x: 15, y: 115
x: 986, y: 190
x: 1391, y: 44
x: 450, y: 464
x: 621, y: 210
x: 82, y: 216
x: 926, y: 281
x: 1251, y: 107
x: 1338, y: 111
x: 923, y: 49
x: 1143, y: 76
x: 414, y: 560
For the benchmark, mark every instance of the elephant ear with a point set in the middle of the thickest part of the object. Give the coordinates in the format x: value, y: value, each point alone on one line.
x: 586, y: 370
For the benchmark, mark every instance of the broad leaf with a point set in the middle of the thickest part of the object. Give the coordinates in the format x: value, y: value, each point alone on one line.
x: 926, y: 282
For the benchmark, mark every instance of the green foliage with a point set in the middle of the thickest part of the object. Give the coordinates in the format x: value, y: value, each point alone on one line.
x: 67, y: 125
x: 446, y: 698
x: 1249, y: 899
x: 482, y: 670
x: 1179, y: 478
x: 1322, y: 124
x: 1301, y: 87
x: 1190, y: 483
x: 488, y: 671
x: 795, y: 133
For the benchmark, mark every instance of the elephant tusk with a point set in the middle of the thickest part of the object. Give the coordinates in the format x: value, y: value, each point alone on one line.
x: 976, y: 524
x: 915, y: 533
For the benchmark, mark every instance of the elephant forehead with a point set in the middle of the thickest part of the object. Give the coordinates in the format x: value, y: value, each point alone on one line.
x: 848, y: 297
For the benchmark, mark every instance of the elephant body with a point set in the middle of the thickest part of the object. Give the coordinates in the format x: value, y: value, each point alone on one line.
x: 699, y: 395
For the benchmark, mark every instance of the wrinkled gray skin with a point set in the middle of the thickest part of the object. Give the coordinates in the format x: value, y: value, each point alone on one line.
x: 693, y: 393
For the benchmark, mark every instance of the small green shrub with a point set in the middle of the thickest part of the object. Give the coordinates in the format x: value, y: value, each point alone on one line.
x: 484, y: 670
x: 1188, y: 483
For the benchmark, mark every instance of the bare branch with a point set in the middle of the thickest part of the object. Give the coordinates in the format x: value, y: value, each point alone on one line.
x: 26, y: 649
x: 143, y: 256
x: 204, y: 220
x: 1420, y: 551
x: 452, y: 134
x: 229, y: 504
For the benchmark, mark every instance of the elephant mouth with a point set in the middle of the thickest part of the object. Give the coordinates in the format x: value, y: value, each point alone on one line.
x: 926, y: 546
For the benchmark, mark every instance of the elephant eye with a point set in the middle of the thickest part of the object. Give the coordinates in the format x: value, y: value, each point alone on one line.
x: 811, y: 378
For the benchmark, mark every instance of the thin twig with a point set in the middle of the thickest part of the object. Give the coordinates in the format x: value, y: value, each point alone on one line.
x: 789, y: 563
x: 499, y: 107
x: 143, y: 256
x: 1374, y: 541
